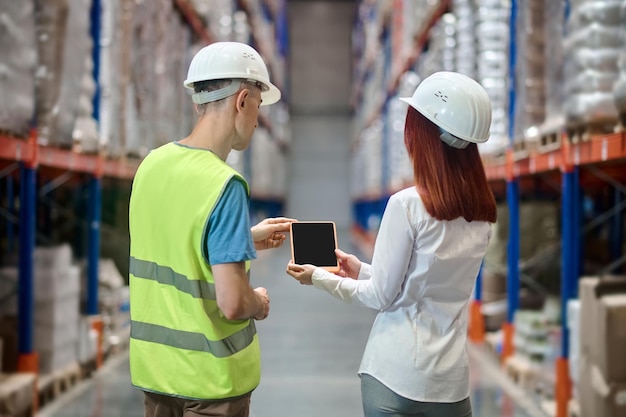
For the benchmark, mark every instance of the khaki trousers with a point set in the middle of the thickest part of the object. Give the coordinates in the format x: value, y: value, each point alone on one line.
x: 157, y: 405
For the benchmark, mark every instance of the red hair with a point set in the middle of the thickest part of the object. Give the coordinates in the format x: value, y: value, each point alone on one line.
x: 450, y: 181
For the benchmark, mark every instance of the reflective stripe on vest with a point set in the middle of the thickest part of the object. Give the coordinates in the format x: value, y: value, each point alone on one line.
x: 179, y: 338
x: 193, y: 341
x: 167, y: 276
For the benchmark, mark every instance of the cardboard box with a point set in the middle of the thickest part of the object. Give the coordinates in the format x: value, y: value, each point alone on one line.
x: 16, y: 393
x: 591, y: 289
x: 608, y: 399
x: 608, y: 351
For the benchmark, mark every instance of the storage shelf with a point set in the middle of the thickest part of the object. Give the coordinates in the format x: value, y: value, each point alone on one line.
x: 599, y: 149
x: 397, y: 71
x: 13, y: 149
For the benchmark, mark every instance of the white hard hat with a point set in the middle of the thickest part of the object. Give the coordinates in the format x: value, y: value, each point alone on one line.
x: 457, y: 104
x: 230, y: 61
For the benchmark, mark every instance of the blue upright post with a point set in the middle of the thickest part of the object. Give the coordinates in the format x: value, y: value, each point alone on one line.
x: 617, y: 229
x: 94, y: 205
x: 570, y: 230
x: 513, y: 252
x: 11, y: 208
x: 512, y: 195
x: 568, y: 244
x: 513, y: 255
x: 93, y: 249
x: 577, y: 231
x: 478, y: 290
x: 26, y: 288
x: 95, y: 18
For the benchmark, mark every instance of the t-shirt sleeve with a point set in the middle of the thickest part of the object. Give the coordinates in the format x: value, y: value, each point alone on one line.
x: 229, y: 238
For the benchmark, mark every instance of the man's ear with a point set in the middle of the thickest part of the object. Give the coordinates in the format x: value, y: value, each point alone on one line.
x: 195, y: 106
x: 241, y: 99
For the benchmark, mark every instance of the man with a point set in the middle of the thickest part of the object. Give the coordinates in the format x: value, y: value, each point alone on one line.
x: 194, y: 348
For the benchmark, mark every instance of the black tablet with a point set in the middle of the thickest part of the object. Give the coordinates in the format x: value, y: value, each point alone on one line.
x: 314, y: 243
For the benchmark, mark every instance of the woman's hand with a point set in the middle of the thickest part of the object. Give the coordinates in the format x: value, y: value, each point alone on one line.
x: 302, y: 273
x: 271, y: 233
x: 349, y: 264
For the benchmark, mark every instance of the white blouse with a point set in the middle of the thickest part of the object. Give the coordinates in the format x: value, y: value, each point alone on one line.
x: 421, y: 280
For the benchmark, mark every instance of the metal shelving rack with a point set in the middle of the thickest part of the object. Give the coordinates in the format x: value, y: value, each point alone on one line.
x: 578, y: 163
x: 23, y: 158
x: 364, y: 205
x: 29, y: 158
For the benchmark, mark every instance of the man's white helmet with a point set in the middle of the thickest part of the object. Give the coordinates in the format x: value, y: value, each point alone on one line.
x: 457, y: 104
x: 230, y: 61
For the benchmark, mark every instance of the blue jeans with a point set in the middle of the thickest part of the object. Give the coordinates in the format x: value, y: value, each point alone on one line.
x: 380, y: 401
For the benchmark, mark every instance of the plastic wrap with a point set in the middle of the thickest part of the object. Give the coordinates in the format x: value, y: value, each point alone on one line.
x: 399, y: 163
x: 112, y: 72
x: 441, y: 55
x: 77, y: 47
x: 591, y: 55
x: 157, y: 109
x: 530, y: 69
x: 553, y: 29
x: 17, y: 67
x: 619, y: 90
x: 51, y: 20
x: 492, y: 38
x: 465, y: 59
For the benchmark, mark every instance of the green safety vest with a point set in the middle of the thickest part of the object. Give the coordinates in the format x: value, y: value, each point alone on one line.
x: 181, y: 344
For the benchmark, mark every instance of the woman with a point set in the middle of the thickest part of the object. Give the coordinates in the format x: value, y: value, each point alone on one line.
x: 428, y: 252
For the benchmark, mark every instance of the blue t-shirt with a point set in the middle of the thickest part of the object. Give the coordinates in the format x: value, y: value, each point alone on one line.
x: 229, y: 239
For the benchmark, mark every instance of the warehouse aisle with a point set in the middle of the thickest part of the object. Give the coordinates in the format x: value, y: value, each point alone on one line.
x: 311, y: 344
x: 311, y: 348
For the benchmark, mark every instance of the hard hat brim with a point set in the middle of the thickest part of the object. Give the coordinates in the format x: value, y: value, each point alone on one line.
x: 270, y: 96
x: 416, y: 106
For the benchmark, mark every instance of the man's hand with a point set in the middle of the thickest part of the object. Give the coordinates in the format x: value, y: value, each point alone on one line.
x: 271, y: 233
x: 264, y: 300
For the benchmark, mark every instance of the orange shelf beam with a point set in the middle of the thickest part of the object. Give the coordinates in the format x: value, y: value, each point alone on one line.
x: 600, y: 149
x: 20, y: 150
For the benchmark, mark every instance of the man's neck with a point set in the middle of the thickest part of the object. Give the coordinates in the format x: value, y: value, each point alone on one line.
x: 211, y: 135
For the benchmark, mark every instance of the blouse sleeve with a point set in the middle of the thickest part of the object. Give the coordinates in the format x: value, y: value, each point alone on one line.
x: 392, y: 254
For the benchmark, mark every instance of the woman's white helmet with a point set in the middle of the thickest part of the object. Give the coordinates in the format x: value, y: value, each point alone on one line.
x: 230, y: 61
x: 457, y: 104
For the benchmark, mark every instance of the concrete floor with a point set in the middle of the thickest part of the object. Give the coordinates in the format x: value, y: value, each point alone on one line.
x: 311, y: 348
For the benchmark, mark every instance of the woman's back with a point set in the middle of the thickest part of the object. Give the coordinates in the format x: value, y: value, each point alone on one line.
x: 417, y: 344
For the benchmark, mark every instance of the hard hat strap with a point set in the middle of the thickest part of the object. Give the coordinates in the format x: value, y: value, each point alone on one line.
x: 208, y: 96
x: 452, y: 140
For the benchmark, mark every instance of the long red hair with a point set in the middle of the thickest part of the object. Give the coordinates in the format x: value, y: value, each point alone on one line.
x: 450, y: 181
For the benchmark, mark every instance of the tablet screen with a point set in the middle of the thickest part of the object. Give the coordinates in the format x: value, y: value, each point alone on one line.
x: 314, y: 243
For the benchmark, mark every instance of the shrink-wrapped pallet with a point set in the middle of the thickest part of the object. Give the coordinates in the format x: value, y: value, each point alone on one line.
x: 17, y: 68
x: 399, y: 164
x: 76, y: 50
x: 619, y: 91
x: 530, y: 70
x: 51, y: 22
x: 554, y: 29
x: 591, y: 56
x: 465, y: 52
x: 441, y: 54
x: 492, y: 38
x: 113, y: 70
